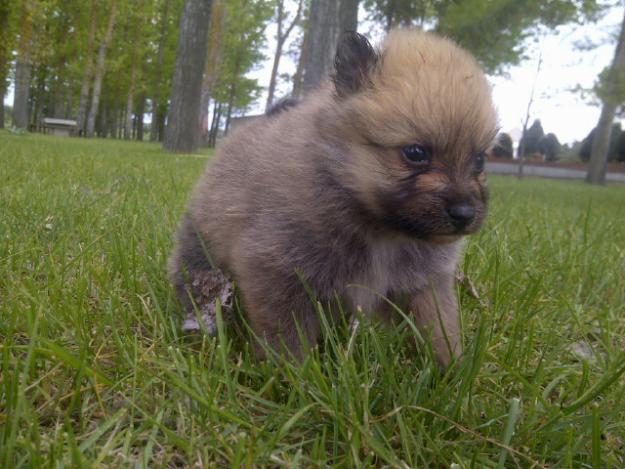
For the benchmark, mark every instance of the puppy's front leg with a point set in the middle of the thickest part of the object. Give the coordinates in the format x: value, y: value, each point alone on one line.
x: 435, y: 309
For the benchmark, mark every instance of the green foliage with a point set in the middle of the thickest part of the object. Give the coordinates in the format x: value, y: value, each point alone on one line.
x: 8, y: 12
x: 503, y: 147
x: 394, y: 13
x: 531, y: 139
x: 496, y: 31
x: 616, y: 148
x: 94, y: 370
x: 550, y: 147
x: 615, y: 92
x: 242, y: 40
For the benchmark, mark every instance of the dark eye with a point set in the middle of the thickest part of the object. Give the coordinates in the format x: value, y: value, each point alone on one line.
x: 480, y: 160
x: 416, y: 154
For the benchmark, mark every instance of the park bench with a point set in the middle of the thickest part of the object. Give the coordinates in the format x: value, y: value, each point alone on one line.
x: 59, y: 127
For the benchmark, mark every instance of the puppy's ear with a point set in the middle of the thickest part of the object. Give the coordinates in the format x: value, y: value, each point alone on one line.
x: 355, y: 60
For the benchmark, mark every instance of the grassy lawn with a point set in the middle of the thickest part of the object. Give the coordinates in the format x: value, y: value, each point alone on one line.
x: 94, y: 370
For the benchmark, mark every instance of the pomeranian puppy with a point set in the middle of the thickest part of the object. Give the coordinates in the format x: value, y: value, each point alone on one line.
x: 361, y: 192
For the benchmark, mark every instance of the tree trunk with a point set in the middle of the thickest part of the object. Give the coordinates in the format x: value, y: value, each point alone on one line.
x: 273, y: 80
x: 103, y: 122
x: 23, y: 69
x: 2, y: 108
x: 87, y: 74
x: 130, y: 101
x: 229, y: 110
x: 99, y: 71
x: 139, y: 115
x: 348, y: 16
x: 298, y: 78
x: 597, y: 166
x: 212, y: 139
x: 217, y: 22
x: 58, y: 109
x: 322, y: 28
x: 5, y: 53
x: 156, y: 125
x: 182, y: 133
x: 281, y: 38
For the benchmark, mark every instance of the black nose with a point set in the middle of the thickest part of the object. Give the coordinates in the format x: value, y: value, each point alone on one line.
x: 461, y: 214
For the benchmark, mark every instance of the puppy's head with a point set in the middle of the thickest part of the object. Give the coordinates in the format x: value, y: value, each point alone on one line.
x: 419, y: 118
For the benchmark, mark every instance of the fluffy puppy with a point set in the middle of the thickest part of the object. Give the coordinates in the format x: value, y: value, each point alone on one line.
x: 373, y: 181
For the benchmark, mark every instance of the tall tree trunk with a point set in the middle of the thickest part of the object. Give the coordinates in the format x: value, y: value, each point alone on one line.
x: 183, y: 131
x: 597, y: 166
x: 100, y: 69
x: 5, y: 52
x: 139, y: 115
x: 229, y: 109
x: 87, y: 76
x: 23, y: 68
x: 160, y: 127
x: 40, y: 101
x: 130, y: 101
x: 281, y: 38
x: 103, y: 122
x: 298, y: 78
x: 348, y: 16
x: 157, y: 112
x: 322, y: 28
x: 58, y: 109
x: 218, y: 18
x: 204, y: 108
x: 212, y: 139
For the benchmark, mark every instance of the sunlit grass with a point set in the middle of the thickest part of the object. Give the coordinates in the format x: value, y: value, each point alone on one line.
x: 94, y: 369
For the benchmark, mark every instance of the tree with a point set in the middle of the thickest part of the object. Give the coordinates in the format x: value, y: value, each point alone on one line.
x: 167, y: 22
x: 348, y: 16
x: 394, y: 13
x: 281, y: 37
x: 611, y: 93
x: 241, y: 43
x: 321, y: 45
x: 87, y: 75
x: 616, y: 146
x: 213, y: 59
x: 549, y: 146
x: 100, y: 69
x: 503, y: 146
x: 183, y: 130
x: 328, y: 19
x: 23, y: 66
x: 6, y: 45
x: 495, y: 31
x: 531, y: 139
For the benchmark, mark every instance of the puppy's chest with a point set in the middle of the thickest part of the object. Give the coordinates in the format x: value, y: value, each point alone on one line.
x: 392, y: 269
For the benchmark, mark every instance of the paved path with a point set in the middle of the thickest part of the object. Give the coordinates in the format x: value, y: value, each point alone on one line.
x: 547, y: 172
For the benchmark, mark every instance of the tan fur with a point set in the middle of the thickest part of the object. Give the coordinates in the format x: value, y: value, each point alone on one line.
x: 321, y: 191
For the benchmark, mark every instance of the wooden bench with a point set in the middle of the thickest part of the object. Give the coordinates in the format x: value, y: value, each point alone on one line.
x: 59, y: 127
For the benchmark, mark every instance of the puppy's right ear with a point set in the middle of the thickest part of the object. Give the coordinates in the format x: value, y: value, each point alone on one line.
x: 355, y: 60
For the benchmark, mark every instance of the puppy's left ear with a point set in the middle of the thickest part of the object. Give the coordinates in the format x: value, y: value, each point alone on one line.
x: 355, y: 60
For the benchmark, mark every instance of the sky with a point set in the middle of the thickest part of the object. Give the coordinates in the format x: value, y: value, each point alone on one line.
x: 570, y: 114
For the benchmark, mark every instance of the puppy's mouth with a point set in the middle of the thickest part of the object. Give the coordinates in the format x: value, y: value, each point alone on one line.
x: 435, y: 228
x: 444, y: 239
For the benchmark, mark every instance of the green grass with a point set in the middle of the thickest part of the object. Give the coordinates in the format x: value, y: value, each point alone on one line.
x: 95, y: 372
